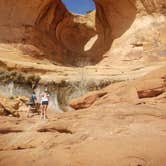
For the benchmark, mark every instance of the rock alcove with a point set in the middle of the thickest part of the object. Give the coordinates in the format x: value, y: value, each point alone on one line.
x: 47, y: 29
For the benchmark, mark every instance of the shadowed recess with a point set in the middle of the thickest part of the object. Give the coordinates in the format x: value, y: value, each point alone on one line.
x: 52, y: 130
x: 48, y: 30
x: 8, y: 130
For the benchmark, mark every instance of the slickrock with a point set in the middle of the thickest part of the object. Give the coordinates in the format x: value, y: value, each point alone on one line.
x: 87, y: 100
x: 120, y: 46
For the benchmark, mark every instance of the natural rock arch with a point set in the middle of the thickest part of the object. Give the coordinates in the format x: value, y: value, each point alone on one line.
x: 47, y: 29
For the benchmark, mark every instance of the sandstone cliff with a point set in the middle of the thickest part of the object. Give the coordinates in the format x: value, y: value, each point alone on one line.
x: 44, y: 29
x: 125, y: 39
x: 47, y: 29
x: 122, y: 43
x: 121, y: 128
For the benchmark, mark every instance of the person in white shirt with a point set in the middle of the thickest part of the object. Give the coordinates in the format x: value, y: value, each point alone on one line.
x: 44, y: 104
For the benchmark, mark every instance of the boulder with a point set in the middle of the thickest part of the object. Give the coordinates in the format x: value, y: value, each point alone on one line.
x: 87, y: 100
x: 9, y: 107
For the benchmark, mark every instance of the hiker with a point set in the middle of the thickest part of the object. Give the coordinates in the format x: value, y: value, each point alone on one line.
x: 31, y: 103
x: 44, y: 104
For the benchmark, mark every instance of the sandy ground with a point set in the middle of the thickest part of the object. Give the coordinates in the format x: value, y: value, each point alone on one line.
x: 121, y: 134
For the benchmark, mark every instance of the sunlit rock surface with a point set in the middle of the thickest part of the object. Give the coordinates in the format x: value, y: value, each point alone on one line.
x: 126, y: 129
x: 121, y: 44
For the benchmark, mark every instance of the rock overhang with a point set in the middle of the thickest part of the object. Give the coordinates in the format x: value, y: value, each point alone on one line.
x: 61, y: 36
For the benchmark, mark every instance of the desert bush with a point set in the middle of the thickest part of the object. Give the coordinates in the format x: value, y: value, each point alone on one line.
x: 19, y: 78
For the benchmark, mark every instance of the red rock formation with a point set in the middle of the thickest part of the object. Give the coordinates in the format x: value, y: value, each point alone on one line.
x: 87, y: 100
x: 43, y: 28
x: 124, y: 123
x: 9, y: 107
x: 47, y: 29
x: 118, y: 129
x: 149, y: 86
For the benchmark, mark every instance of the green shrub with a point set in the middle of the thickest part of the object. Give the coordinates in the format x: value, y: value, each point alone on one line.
x: 19, y: 78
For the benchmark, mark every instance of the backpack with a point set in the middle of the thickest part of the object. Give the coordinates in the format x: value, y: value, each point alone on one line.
x: 32, y: 99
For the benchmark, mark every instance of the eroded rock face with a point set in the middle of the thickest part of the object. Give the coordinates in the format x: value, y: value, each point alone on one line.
x: 126, y: 37
x: 47, y: 29
x: 9, y: 107
x: 118, y: 16
x: 87, y: 100
x: 44, y: 29
x: 137, y: 29
x: 119, y: 129
x: 125, y: 121
x: 150, y: 86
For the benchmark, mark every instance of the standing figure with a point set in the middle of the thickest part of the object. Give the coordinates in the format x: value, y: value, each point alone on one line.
x: 31, y: 103
x: 44, y: 104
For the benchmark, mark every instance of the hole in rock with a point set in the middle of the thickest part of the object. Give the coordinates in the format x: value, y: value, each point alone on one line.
x: 79, y: 6
x: 80, y: 36
x: 89, y: 36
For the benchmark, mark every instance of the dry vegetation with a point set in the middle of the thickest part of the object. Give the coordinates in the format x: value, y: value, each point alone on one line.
x: 19, y: 78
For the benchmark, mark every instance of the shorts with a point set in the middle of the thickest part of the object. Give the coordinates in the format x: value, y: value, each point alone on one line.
x: 44, y: 102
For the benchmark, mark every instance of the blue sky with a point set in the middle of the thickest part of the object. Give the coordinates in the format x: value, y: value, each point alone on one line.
x: 79, y: 6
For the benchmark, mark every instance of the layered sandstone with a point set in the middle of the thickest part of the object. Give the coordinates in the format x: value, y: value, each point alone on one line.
x: 44, y: 29
x: 47, y: 29
x: 118, y: 129
x: 10, y: 106
x: 125, y: 39
x: 150, y: 87
x: 122, y: 124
